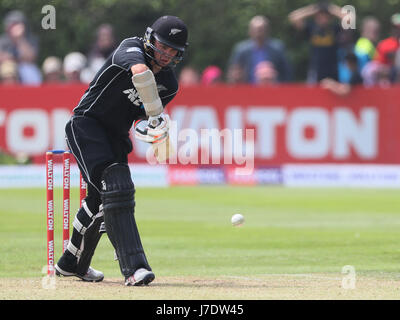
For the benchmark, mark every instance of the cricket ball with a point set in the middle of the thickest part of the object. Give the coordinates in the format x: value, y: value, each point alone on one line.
x: 237, y: 220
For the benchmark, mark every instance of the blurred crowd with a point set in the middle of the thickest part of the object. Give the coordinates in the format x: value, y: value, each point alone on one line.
x: 19, y: 49
x: 338, y: 58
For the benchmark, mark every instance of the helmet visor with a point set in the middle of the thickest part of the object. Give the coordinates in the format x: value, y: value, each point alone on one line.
x: 168, y: 43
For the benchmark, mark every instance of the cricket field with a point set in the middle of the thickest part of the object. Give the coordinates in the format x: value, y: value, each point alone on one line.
x: 296, y: 243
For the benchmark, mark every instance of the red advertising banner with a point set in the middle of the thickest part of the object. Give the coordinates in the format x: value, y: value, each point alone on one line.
x: 285, y: 124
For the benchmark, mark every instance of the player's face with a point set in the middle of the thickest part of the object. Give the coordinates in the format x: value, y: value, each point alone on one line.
x: 164, y: 54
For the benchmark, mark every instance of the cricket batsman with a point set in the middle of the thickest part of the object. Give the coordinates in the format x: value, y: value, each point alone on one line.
x: 136, y: 82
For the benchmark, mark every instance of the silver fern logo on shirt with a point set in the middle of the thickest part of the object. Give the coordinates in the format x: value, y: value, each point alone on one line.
x: 133, y: 95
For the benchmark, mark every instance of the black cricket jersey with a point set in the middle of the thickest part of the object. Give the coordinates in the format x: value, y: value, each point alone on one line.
x: 112, y: 98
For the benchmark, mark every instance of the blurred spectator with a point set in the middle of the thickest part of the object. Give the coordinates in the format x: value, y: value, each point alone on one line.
x: 211, y: 75
x: 382, y: 71
x: 17, y: 41
x: 235, y: 74
x: 52, y: 70
x: 22, y: 45
x: 343, y: 89
x: 322, y: 33
x: 386, y: 49
x: 397, y: 65
x: 105, y: 43
x: 9, y: 72
x: 376, y: 73
x: 346, y: 45
x: 247, y: 54
x: 73, y: 65
x: 365, y: 46
x: 4, y: 55
x: 103, y: 46
x: 266, y: 73
x: 189, y: 76
x: 352, y: 63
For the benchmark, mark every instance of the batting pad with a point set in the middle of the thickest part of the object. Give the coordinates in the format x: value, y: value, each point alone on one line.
x: 145, y: 85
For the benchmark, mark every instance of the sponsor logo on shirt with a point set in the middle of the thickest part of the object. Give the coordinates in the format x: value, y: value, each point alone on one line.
x: 133, y: 95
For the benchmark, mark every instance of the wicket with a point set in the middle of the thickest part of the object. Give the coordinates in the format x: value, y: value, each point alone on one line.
x: 66, y: 202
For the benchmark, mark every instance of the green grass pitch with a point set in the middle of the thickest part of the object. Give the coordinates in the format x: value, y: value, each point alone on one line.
x: 186, y: 231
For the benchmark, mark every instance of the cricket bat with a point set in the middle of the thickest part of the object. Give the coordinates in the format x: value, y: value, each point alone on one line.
x: 163, y: 150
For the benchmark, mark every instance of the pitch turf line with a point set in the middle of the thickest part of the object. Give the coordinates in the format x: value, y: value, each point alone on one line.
x: 271, y: 287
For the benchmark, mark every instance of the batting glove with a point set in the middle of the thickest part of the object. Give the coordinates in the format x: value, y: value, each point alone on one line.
x: 158, y: 125
x: 143, y: 129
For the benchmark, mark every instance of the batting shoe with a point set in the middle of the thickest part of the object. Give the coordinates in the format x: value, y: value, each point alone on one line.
x: 92, y: 275
x: 67, y: 265
x: 141, y: 277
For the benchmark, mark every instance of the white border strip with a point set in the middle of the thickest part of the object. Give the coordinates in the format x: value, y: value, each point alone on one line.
x: 294, y: 175
x: 34, y: 176
x: 341, y: 175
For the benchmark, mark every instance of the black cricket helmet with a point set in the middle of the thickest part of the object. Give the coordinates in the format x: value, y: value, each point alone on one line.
x: 170, y: 31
